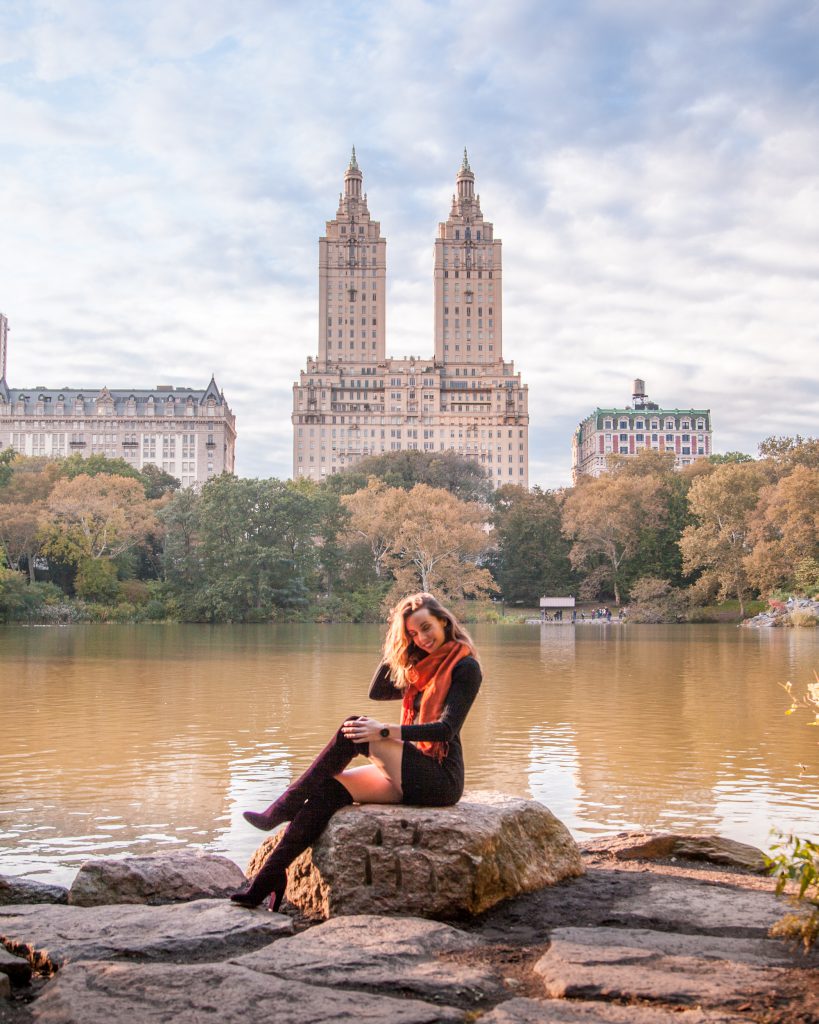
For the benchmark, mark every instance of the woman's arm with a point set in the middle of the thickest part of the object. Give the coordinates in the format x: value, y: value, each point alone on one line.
x: 382, y: 687
x: 466, y: 681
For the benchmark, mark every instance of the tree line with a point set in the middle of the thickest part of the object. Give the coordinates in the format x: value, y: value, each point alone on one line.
x: 96, y: 539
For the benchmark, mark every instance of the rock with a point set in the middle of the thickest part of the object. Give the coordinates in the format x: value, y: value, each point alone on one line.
x: 439, y: 862
x: 398, y: 956
x: 683, y: 905
x: 558, y: 1011
x: 15, y: 968
x: 621, y: 964
x: 553, y: 1011
x: 97, y: 993
x: 5, y: 987
x: 155, y: 879
x: 26, y: 890
x: 660, y: 845
x: 202, y: 930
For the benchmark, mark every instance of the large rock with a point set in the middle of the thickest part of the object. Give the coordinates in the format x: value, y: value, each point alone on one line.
x: 26, y: 890
x: 99, y: 993
x: 16, y: 968
x: 5, y: 987
x: 155, y: 879
x: 202, y: 930
x: 663, y: 845
x: 440, y: 862
x: 560, y: 1011
x: 631, y: 964
x: 399, y: 956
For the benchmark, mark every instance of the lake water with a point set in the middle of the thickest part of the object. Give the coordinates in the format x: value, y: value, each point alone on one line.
x: 133, y: 739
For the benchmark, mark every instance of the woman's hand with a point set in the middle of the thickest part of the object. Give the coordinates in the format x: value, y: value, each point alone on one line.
x: 362, y: 730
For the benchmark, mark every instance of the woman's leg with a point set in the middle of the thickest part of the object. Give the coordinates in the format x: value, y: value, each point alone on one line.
x: 333, y: 759
x: 380, y: 781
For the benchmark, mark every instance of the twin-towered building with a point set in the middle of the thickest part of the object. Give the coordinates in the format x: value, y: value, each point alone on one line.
x: 354, y: 400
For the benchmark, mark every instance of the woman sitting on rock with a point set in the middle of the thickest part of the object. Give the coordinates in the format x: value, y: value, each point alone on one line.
x: 430, y: 662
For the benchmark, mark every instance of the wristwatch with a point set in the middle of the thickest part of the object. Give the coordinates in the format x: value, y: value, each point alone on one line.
x: 385, y: 733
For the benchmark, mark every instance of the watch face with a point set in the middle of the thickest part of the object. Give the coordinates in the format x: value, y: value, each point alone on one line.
x: 385, y: 733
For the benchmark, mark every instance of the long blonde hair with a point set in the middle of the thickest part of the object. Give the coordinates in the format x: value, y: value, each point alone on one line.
x: 400, y: 652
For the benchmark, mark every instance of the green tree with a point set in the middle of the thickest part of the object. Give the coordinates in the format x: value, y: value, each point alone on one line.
x: 17, y: 599
x: 448, y: 471
x: 157, y: 482
x: 7, y: 456
x: 531, y: 555
x: 92, y: 465
x: 729, y: 457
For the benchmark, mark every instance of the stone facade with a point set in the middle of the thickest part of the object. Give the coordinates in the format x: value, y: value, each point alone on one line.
x: 4, y: 336
x: 630, y: 429
x: 187, y: 432
x: 353, y: 400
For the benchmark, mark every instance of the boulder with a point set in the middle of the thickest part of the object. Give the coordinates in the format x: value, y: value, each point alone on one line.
x: 26, y: 890
x: 561, y: 1011
x: 15, y: 968
x: 639, y: 964
x: 663, y: 845
x: 5, y: 987
x: 102, y: 993
x: 201, y: 930
x: 176, y: 877
x: 397, y: 956
x: 439, y: 862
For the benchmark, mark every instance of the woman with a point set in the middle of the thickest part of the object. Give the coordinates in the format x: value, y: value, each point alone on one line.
x: 429, y: 661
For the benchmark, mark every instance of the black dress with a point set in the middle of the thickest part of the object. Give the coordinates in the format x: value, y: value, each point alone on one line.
x: 425, y: 781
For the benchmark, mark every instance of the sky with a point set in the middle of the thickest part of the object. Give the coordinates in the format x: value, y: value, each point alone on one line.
x: 167, y: 167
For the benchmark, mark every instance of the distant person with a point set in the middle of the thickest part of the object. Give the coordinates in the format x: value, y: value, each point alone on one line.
x: 430, y: 665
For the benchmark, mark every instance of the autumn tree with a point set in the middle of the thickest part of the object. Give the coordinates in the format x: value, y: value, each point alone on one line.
x: 530, y: 556
x: 447, y: 470
x: 22, y: 504
x: 95, y: 517
x: 374, y: 512
x: 605, y: 517
x: 783, y: 531
x: 719, y: 541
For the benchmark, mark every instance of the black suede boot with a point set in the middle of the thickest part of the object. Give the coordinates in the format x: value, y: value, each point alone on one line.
x: 333, y: 759
x: 303, y: 831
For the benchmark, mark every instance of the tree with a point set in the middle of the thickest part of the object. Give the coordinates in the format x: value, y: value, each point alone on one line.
x: 784, y: 530
x: 7, y: 456
x: 531, y: 555
x: 157, y: 482
x: 437, y: 545
x: 374, y: 512
x: 786, y: 452
x: 729, y: 457
x: 92, y: 465
x: 718, y: 542
x: 448, y: 470
x: 22, y: 505
x: 606, y: 518
x: 96, y: 517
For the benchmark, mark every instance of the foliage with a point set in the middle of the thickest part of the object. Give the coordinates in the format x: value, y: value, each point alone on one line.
x: 531, y: 555
x: 96, y: 580
x: 728, y: 457
x: 655, y: 600
x: 797, y: 862
x: 7, y: 456
x: 785, y: 453
x: 93, y: 465
x: 447, y: 470
x: 718, y: 542
x: 805, y: 617
x: 784, y: 530
x: 17, y: 599
x: 606, y: 518
x: 156, y: 481
x: 95, y: 517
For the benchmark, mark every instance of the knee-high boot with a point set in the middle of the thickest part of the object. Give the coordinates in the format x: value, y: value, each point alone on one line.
x: 303, y: 831
x: 333, y: 759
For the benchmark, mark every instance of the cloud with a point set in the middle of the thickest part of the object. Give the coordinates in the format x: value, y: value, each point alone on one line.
x: 651, y: 171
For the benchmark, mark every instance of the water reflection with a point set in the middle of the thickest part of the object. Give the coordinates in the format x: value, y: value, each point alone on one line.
x: 127, y: 739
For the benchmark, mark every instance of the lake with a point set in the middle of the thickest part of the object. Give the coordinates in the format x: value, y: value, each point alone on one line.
x: 134, y: 739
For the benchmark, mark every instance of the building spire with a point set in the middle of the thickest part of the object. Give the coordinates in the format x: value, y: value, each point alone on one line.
x: 354, y: 163
x: 464, y: 166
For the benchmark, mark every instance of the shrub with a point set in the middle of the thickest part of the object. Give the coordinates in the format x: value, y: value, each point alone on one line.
x: 797, y: 861
x: 803, y: 617
x: 134, y: 592
x: 96, y: 581
x: 18, y: 600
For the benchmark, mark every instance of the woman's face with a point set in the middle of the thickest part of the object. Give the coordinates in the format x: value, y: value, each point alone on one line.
x: 425, y: 630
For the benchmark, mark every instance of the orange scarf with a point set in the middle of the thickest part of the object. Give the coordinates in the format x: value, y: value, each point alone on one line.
x: 432, y: 677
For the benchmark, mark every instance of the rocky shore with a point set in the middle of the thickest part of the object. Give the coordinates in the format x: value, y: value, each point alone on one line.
x: 801, y: 611
x: 658, y: 929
